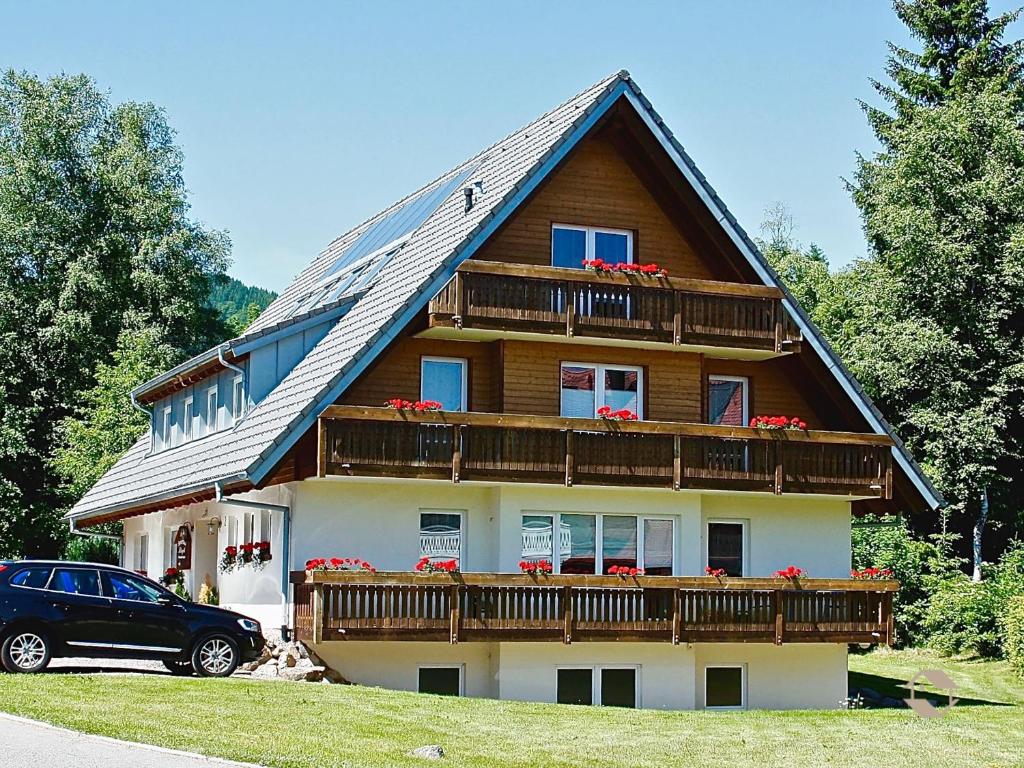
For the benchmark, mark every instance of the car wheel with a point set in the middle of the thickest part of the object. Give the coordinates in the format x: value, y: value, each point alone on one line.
x: 215, y: 656
x: 179, y: 668
x: 25, y: 650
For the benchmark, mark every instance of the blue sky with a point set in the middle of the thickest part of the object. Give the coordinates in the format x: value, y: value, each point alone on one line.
x: 299, y: 120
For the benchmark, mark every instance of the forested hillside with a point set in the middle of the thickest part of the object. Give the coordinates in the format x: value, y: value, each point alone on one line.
x: 236, y: 303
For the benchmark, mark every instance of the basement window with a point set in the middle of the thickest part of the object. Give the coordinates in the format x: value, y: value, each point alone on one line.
x: 441, y: 681
x: 724, y: 687
x: 611, y: 686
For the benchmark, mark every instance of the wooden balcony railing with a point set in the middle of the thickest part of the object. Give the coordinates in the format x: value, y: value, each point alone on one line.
x: 519, y: 607
x: 578, y: 303
x: 356, y: 440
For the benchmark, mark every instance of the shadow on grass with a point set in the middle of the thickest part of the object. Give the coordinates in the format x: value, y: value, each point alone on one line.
x: 898, y: 689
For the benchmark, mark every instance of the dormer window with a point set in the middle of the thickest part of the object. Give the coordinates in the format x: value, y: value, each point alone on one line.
x: 571, y: 245
x: 211, y: 410
x: 186, y: 419
x: 237, y: 398
x: 165, y: 427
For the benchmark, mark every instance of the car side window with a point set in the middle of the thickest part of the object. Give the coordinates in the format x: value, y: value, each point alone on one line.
x: 34, y: 578
x: 123, y: 587
x: 76, y: 581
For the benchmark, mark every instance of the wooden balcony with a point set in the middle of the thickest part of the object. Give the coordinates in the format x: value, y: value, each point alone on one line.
x: 488, y: 299
x: 518, y: 607
x: 382, y: 442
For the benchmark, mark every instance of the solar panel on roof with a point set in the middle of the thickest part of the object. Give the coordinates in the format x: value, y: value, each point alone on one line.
x: 399, y: 222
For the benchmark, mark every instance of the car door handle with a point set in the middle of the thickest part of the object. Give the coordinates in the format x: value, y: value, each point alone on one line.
x: 61, y: 606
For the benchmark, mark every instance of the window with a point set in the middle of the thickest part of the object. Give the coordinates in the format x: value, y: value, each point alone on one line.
x: 728, y: 401
x: 724, y: 687
x: 441, y: 681
x: 609, y: 686
x: 211, y: 410
x: 123, y: 587
x: 248, y: 523
x: 76, y: 581
x: 618, y: 687
x: 237, y: 398
x: 589, y: 544
x: 726, y: 546
x: 170, y: 551
x: 232, y: 531
x: 575, y: 686
x: 165, y: 427
x: 444, y: 379
x: 265, y: 525
x: 571, y: 245
x: 142, y: 553
x: 586, y: 388
x: 33, y: 578
x: 441, y: 535
x: 580, y: 554
x: 186, y: 419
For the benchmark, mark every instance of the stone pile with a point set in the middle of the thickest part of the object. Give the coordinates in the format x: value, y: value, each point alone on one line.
x: 291, y: 661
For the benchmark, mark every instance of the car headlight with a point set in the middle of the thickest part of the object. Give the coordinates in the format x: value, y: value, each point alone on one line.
x: 249, y: 625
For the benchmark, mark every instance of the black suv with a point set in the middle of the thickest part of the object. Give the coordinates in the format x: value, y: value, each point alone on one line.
x: 83, y: 609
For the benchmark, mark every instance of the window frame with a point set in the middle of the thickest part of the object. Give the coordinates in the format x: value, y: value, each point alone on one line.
x: 595, y: 680
x: 141, y: 554
x: 590, y: 247
x: 743, y: 686
x: 462, y: 361
x: 599, y: 389
x: 462, y: 514
x: 237, y: 398
x: 166, y: 426
x: 187, y: 416
x: 599, y: 566
x: 462, y: 676
x: 212, y: 418
x: 744, y: 540
x: 53, y: 573
x: 744, y: 380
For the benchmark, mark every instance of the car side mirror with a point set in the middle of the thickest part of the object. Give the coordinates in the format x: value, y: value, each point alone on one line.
x: 165, y: 600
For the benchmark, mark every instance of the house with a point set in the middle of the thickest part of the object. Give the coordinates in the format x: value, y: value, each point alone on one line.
x: 472, y: 293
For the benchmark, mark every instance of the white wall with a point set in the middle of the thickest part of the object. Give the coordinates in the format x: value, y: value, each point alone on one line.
x: 395, y: 665
x: 379, y: 521
x: 528, y: 671
x: 791, y: 676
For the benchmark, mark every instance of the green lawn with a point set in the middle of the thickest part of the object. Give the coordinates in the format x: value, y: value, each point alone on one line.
x: 282, y: 724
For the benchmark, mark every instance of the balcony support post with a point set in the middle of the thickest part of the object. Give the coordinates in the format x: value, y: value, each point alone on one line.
x: 458, y: 286
x: 778, y: 467
x: 570, y: 459
x: 677, y: 317
x: 889, y: 618
x: 780, y: 617
x: 778, y: 311
x: 456, y: 452
x: 570, y: 310
x: 677, y: 615
x: 567, y: 615
x: 317, y: 594
x: 321, y: 447
x: 456, y: 616
x: 677, y: 462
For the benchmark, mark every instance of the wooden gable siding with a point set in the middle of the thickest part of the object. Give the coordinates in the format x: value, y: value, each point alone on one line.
x: 397, y: 373
x: 532, y: 379
x: 597, y: 187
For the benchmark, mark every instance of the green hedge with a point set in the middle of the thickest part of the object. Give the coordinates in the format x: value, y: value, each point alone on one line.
x: 1013, y: 623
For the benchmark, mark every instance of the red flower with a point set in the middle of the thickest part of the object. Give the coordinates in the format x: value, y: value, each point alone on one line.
x: 171, y: 572
x: 715, y: 572
x: 792, y: 572
x: 231, y: 551
x: 613, y: 570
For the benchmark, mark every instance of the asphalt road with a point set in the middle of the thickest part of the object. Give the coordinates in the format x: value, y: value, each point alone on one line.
x: 26, y: 744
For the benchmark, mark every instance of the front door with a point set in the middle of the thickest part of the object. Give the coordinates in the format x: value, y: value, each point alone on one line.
x: 141, y: 625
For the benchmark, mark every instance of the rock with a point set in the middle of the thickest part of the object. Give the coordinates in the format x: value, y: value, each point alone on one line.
x: 249, y: 666
x: 302, y: 663
x: 307, y: 674
x: 275, y: 651
x: 334, y: 676
x: 428, y: 752
x: 266, y: 672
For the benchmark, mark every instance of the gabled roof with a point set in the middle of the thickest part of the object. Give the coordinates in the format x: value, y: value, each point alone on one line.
x: 509, y: 171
